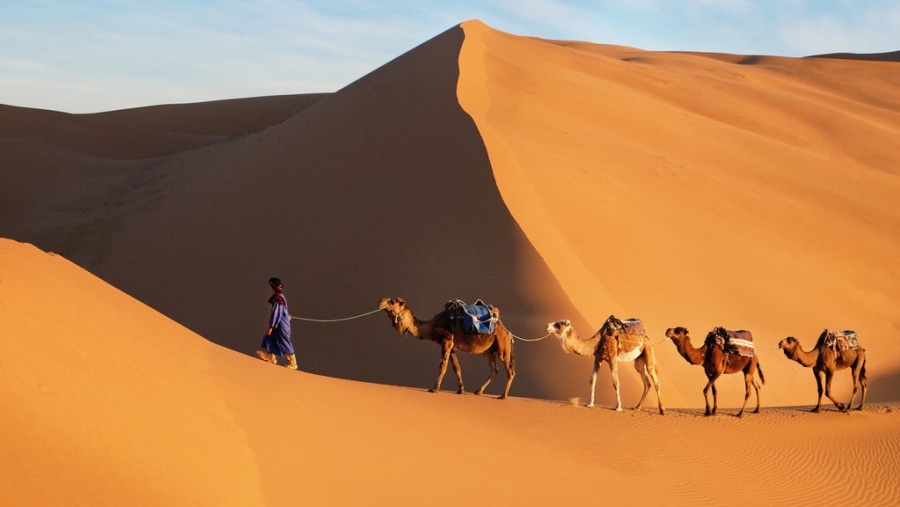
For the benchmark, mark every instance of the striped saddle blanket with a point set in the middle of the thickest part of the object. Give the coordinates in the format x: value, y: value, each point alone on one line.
x: 734, y: 342
x: 841, y: 340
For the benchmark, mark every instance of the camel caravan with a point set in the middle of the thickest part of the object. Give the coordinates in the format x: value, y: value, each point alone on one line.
x: 477, y: 329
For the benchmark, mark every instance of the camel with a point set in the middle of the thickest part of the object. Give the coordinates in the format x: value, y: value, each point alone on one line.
x: 612, y: 344
x: 441, y: 330
x: 825, y: 360
x: 716, y: 362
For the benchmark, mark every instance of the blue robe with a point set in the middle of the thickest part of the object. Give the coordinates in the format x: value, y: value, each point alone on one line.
x: 279, y: 342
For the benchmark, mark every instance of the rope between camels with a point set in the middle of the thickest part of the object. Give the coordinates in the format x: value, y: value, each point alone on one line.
x: 337, y: 320
x: 529, y: 340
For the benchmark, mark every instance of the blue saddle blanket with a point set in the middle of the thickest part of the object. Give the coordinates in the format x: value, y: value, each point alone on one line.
x: 477, y: 318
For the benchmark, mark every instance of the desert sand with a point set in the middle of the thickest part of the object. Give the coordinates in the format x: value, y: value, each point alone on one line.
x: 553, y: 179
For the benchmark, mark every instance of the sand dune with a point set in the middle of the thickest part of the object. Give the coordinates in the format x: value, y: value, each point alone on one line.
x: 113, y: 403
x: 554, y: 179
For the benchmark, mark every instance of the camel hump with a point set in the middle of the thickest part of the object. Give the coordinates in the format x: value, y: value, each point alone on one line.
x: 477, y: 318
x: 840, y: 341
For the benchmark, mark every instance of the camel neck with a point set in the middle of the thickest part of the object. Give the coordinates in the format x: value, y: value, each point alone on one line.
x: 804, y: 357
x: 691, y: 354
x: 407, y: 323
x: 574, y: 343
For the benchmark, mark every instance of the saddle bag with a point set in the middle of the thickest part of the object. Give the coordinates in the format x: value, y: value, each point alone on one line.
x: 477, y: 318
x: 842, y: 340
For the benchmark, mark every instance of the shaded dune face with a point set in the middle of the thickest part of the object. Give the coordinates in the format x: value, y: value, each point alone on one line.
x: 381, y: 187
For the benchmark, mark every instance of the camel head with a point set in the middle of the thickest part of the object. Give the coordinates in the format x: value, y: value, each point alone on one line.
x: 389, y: 304
x: 677, y: 334
x: 560, y: 328
x: 789, y: 346
x: 398, y: 312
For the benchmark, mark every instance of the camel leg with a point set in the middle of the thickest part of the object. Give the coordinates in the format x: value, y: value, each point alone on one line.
x: 510, y: 363
x: 442, y: 369
x: 711, y: 385
x: 458, y: 370
x: 748, y: 381
x: 864, y: 385
x: 855, y: 373
x: 614, y: 369
x: 819, y: 388
x: 594, y: 380
x: 640, y: 364
x: 756, y: 386
x: 829, y: 376
x: 654, y: 374
x: 492, y: 364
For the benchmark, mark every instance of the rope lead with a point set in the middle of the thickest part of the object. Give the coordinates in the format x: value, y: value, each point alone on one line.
x: 337, y: 320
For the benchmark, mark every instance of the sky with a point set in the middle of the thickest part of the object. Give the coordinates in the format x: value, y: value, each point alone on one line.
x: 85, y: 56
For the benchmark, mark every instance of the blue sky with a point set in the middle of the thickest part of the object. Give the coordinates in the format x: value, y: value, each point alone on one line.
x: 82, y: 56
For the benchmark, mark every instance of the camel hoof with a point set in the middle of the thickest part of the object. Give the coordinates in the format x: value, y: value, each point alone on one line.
x: 590, y: 405
x: 501, y: 397
x: 740, y: 415
x: 618, y: 409
x: 432, y: 390
x: 662, y: 411
x: 815, y: 410
x: 479, y: 392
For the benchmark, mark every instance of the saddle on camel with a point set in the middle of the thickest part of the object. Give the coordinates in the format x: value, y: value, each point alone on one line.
x: 840, y: 341
x: 734, y: 342
x: 477, y: 318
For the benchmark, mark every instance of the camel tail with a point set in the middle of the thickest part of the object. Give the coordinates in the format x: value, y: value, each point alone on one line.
x: 863, y: 381
x: 762, y: 376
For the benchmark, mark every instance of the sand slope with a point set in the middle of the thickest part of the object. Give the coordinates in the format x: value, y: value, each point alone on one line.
x: 112, y: 403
